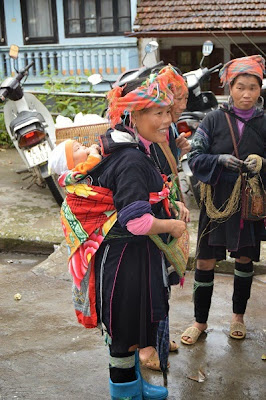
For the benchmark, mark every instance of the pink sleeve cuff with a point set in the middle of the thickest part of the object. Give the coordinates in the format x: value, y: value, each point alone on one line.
x: 140, y: 226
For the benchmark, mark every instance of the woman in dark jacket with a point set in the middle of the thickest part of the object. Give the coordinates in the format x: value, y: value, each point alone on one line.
x: 213, y: 162
x: 179, y: 146
x: 131, y: 279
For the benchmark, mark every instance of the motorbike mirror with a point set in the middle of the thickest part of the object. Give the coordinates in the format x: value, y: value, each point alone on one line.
x: 13, y: 51
x: 94, y: 79
x: 207, y: 48
x: 151, y: 47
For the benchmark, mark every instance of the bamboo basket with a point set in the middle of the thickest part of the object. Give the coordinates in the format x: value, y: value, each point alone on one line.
x: 85, y: 134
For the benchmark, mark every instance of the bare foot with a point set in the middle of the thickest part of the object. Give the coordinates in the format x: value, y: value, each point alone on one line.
x: 238, y: 318
x: 145, y: 353
x: 201, y: 327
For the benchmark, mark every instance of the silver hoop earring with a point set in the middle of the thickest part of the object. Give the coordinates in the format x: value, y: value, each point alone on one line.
x: 135, y: 129
x: 230, y: 102
x: 260, y: 103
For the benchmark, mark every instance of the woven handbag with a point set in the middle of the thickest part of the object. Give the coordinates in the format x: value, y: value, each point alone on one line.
x: 176, y: 250
x: 253, y: 202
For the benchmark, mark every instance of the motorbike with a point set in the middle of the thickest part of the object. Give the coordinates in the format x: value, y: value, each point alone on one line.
x: 31, y: 129
x: 198, y: 105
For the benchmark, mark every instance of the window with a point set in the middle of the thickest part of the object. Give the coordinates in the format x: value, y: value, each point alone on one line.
x: 2, y: 24
x: 96, y: 18
x: 39, y: 21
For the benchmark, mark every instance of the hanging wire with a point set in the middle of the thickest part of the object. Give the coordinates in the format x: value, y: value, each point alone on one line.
x: 183, y: 20
x: 243, y: 33
x: 195, y: 14
x: 232, y: 54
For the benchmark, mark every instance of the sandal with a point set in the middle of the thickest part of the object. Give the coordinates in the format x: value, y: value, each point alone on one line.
x: 152, y: 362
x: 173, y: 346
x: 193, y: 333
x: 237, y: 327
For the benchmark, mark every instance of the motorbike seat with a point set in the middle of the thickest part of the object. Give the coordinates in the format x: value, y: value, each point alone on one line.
x: 26, y: 116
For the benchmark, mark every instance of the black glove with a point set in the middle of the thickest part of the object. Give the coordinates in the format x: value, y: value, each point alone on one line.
x: 230, y: 162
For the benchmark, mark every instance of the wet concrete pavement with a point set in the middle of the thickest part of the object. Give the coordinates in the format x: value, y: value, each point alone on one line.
x: 46, y: 354
x: 30, y: 220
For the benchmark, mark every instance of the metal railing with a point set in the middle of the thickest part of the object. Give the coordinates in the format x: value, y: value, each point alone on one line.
x: 108, y: 59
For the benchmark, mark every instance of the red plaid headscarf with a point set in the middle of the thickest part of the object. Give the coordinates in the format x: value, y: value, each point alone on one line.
x: 253, y: 65
x: 153, y: 92
x: 175, y: 81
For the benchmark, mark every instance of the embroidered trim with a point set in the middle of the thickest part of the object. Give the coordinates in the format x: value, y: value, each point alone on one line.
x: 202, y: 284
x: 105, y: 254
x: 242, y: 274
x: 123, y: 363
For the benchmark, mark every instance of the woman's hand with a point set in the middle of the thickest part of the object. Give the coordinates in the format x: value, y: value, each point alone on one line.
x: 178, y: 228
x: 94, y: 149
x: 251, y: 164
x: 230, y: 162
x: 172, y: 226
x: 183, y: 144
x: 183, y: 213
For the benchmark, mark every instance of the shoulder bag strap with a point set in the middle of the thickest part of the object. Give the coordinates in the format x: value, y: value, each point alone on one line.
x: 169, y: 156
x: 234, y: 143
x: 172, y: 163
x: 232, y: 134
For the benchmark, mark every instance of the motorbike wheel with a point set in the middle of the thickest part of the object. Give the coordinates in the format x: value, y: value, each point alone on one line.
x: 54, y: 190
x: 195, y: 189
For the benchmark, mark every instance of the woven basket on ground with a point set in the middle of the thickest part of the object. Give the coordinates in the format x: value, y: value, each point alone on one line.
x: 85, y: 134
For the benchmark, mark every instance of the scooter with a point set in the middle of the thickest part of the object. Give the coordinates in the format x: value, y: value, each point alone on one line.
x: 31, y: 129
x: 198, y: 105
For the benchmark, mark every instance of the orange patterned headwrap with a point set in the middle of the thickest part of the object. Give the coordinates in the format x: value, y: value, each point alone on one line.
x: 175, y: 80
x: 153, y: 92
x: 253, y: 65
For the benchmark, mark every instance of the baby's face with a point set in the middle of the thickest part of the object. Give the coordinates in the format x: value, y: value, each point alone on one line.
x: 80, y: 153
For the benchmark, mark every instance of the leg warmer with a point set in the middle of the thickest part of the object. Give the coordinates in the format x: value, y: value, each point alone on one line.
x: 122, y: 367
x: 242, y: 285
x: 203, y: 288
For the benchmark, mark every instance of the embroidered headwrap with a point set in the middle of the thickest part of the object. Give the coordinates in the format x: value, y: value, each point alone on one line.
x: 175, y: 80
x: 153, y: 92
x: 253, y: 65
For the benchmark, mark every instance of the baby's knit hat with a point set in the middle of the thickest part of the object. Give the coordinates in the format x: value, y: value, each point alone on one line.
x: 61, y: 158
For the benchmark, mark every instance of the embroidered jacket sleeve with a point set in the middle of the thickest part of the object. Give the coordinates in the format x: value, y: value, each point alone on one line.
x: 132, y: 194
x: 203, y: 164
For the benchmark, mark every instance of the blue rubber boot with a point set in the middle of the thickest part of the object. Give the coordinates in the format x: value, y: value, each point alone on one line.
x: 150, y: 392
x: 126, y: 391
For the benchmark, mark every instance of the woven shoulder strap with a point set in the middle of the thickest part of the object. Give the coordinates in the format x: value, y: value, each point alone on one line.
x: 172, y: 163
x: 169, y: 156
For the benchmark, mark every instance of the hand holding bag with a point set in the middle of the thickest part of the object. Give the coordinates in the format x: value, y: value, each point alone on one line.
x: 177, y: 250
